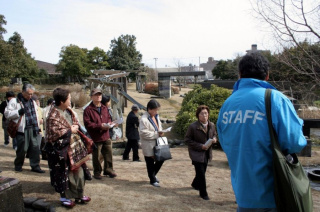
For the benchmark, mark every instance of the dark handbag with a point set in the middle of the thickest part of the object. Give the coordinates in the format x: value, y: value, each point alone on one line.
x: 291, y: 185
x: 12, y: 127
x: 162, y: 151
x: 88, y: 142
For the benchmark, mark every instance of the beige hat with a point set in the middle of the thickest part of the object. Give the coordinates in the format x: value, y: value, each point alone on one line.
x: 95, y: 91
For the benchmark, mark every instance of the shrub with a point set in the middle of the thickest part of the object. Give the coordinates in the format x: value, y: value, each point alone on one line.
x: 213, y: 98
x: 151, y: 88
x: 174, y: 90
x: 80, y: 98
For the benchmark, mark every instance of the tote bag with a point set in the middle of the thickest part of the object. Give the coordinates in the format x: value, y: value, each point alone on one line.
x: 291, y: 185
x: 162, y: 150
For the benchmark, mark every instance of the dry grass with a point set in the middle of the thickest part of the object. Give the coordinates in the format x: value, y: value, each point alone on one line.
x: 131, y: 191
x: 309, y: 114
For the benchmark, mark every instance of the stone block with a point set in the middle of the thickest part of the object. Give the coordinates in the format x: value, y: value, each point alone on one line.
x: 11, y: 198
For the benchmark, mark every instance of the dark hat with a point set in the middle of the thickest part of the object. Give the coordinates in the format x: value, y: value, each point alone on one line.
x: 9, y: 94
x: 95, y: 91
x: 135, y: 107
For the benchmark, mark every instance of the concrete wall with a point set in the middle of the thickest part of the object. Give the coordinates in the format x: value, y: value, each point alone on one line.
x: 164, y: 86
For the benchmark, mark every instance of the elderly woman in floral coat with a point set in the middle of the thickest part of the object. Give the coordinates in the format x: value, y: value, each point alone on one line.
x: 66, y: 152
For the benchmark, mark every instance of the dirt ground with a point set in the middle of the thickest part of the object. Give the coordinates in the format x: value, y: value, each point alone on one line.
x: 131, y: 191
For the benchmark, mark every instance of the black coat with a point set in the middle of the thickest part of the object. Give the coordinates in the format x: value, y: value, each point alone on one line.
x: 2, y: 108
x: 132, y: 126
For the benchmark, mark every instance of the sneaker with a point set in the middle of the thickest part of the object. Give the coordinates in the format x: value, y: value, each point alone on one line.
x: 155, y: 184
x: 157, y: 180
x: 5, y: 145
x: 137, y: 160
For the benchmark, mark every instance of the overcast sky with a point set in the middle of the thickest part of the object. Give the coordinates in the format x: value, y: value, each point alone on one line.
x: 171, y: 30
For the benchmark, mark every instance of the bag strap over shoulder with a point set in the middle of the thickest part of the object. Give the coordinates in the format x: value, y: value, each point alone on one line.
x: 273, y: 135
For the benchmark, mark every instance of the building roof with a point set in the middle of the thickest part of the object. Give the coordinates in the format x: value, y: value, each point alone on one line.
x: 49, y: 67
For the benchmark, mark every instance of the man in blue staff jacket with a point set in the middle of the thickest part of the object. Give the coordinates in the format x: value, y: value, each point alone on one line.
x: 244, y: 134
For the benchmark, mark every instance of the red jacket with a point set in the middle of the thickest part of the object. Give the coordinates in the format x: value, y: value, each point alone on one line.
x: 93, y: 120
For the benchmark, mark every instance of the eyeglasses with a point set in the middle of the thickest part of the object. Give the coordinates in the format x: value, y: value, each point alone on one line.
x: 203, y: 114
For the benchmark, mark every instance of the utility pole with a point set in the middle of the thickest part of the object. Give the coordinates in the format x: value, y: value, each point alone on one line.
x: 155, y: 62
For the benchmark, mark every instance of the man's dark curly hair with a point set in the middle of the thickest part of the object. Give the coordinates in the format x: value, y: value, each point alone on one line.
x: 254, y: 65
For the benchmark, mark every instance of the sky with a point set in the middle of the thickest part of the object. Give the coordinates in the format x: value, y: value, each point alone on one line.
x: 174, y: 32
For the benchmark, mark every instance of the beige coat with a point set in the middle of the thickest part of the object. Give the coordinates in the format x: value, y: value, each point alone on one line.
x: 148, y: 135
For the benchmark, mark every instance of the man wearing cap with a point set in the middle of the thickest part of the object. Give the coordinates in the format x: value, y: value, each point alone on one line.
x: 97, y: 121
x: 9, y: 96
x: 132, y: 134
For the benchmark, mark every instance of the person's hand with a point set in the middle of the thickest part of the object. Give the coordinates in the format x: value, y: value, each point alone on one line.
x: 104, y: 126
x: 74, y: 128
x: 41, y: 121
x: 21, y: 111
x: 161, y: 133
x: 214, y: 140
x: 204, y: 147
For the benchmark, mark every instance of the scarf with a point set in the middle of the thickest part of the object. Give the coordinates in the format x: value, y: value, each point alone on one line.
x: 152, y: 122
x: 30, y: 113
x: 57, y: 125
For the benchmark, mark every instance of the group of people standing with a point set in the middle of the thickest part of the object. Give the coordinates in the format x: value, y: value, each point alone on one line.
x: 242, y: 130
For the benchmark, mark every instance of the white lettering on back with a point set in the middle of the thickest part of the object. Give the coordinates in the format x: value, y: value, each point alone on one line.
x: 247, y: 116
x: 241, y: 117
x: 238, y: 117
x: 257, y: 116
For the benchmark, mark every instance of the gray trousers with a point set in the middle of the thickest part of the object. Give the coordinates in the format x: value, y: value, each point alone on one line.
x: 76, y: 184
x: 27, y: 143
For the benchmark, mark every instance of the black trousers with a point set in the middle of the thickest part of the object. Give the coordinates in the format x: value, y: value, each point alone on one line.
x: 199, y: 182
x: 153, y: 168
x: 134, y: 145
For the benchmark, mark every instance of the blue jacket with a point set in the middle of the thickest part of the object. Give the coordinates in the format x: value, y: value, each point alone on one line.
x: 244, y: 136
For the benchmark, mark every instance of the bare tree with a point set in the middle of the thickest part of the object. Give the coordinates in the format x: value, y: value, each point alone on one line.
x: 295, y: 24
x: 179, y: 65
